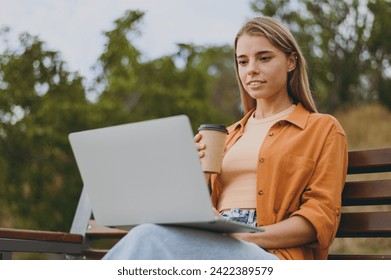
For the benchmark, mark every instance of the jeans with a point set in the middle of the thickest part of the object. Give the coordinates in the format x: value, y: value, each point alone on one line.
x: 248, y: 217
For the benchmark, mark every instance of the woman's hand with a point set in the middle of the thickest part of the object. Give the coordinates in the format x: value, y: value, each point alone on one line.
x: 294, y: 231
x: 215, y: 212
x: 249, y: 237
x: 200, y: 146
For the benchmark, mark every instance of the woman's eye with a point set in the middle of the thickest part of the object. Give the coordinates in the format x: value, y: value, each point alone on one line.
x: 242, y: 62
x: 265, y: 58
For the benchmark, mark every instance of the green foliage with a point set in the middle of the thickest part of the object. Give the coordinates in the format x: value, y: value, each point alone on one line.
x: 379, y: 45
x: 347, y: 46
x: 40, y: 103
x: 136, y: 90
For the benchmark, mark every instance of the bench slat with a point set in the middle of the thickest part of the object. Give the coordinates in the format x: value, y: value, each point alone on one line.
x: 358, y: 257
x: 370, y: 161
x: 375, y: 192
x: 21, y: 240
x: 10, y: 245
x: 41, y: 235
x: 95, y: 254
x: 95, y: 231
x: 365, y: 224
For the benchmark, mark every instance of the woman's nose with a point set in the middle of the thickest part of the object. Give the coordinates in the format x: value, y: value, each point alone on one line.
x: 252, y: 68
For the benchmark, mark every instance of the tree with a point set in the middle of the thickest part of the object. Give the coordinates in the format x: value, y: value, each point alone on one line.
x: 137, y: 90
x: 218, y: 63
x: 338, y: 39
x: 379, y: 46
x: 40, y: 104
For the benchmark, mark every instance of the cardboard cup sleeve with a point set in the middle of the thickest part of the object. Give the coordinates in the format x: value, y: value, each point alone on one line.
x: 214, y: 137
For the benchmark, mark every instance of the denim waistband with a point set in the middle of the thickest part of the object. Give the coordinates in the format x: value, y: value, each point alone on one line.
x: 245, y: 216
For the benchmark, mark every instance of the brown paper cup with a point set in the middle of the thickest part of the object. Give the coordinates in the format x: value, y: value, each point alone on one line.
x: 214, y: 137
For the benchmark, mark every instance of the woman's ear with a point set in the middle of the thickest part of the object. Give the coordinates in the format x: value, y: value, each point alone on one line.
x: 292, y: 60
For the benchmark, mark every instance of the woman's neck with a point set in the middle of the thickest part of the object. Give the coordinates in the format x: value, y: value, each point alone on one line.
x: 266, y: 108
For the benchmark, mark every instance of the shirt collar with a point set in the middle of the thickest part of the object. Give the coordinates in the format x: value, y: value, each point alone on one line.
x: 240, y: 124
x: 298, y: 117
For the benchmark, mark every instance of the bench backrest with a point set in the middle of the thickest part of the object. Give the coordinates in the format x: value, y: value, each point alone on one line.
x: 364, y: 220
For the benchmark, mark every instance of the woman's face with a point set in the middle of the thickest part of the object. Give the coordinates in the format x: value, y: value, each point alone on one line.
x: 263, y: 69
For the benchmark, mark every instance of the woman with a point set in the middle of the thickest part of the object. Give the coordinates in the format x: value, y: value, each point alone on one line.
x: 284, y: 166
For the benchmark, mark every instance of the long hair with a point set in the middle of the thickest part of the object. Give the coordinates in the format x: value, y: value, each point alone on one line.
x: 279, y: 35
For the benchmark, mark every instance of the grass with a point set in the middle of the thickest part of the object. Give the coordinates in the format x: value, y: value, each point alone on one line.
x: 366, y: 126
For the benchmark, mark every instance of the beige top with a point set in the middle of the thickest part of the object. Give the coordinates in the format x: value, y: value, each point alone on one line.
x: 239, y: 168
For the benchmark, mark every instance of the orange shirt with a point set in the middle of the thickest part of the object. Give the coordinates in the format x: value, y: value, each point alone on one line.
x: 301, y: 170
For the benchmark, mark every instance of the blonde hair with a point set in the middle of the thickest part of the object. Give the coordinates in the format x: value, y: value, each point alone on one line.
x: 282, y: 39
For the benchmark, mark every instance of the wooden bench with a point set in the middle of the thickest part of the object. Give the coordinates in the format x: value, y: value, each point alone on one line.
x: 363, y: 194
x: 87, y: 240
x: 35, y: 241
x: 75, y: 244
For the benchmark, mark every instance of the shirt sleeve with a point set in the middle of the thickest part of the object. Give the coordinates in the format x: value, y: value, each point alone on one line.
x: 321, y: 200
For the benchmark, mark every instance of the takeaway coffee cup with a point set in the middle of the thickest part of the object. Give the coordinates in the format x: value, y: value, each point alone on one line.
x: 214, y: 137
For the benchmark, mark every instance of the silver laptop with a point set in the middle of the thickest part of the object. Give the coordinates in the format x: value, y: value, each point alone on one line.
x: 147, y: 172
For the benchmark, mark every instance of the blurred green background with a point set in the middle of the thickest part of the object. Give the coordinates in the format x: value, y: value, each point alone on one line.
x: 347, y: 44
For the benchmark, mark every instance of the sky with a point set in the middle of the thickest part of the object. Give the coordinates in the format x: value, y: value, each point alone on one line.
x: 75, y: 27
